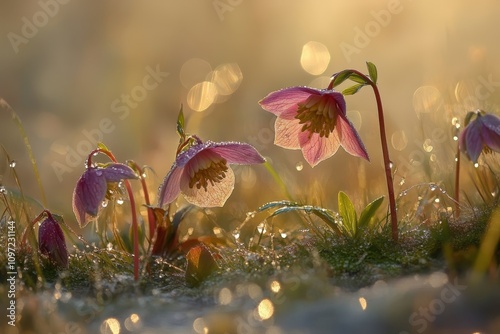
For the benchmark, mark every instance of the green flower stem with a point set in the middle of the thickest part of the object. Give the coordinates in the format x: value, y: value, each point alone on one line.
x: 385, y: 153
x: 135, y: 229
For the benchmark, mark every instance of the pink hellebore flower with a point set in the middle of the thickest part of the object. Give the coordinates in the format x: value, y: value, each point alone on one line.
x: 202, y: 173
x: 481, y: 134
x: 314, y: 121
x: 51, y: 242
x: 91, y: 189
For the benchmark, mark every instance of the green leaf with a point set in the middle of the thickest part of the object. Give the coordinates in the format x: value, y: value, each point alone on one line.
x: 340, y: 77
x: 353, y: 89
x: 369, y: 212
x: 348, y: 213
x: 359, y: 79
x: 102, y: 147
x: 181, y: 124
x: 372, y: 71
x: 275, y: 204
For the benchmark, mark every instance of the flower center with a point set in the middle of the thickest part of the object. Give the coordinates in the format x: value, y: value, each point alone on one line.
x: 318, y: 114
x: 207, y: 167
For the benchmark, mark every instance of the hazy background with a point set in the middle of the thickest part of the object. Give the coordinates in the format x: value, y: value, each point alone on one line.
x: 436, y: 60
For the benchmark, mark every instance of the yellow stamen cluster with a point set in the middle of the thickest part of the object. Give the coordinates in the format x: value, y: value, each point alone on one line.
x: 318, y: 114
x: 208, y: 170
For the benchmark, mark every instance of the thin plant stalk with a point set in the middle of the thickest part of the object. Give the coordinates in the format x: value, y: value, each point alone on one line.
x: 135, y: 228
x: 27, y: 144
x: 151, y: 218
x: 385, y: 153
x: 457, y: 185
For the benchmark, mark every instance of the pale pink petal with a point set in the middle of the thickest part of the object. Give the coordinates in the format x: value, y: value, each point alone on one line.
x: 236, y: 153
x: 214, y: 196
x: 349, y: 138
x: 170, y: 187
x: 316, y: 148
x: 284, y: 103
x: 286, y: 133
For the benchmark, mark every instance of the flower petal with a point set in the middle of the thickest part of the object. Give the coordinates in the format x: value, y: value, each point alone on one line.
x: 88, y: 195
x: 214, y: 196
x: 349, y: 138
x: 473, y: 140
x: 284, y: 103
x: 170, y: 188
x: 116, y: 172
x: 286, y: 133
x: 51, y: 242
x: 316, y: 148
x: 236, y: 153
x: 491, y: 132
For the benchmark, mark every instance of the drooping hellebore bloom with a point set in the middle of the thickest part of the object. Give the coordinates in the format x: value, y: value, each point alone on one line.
x: 203, y: 175
x: 313, y: 120
x: 51, y: 242
x: 91, y: 189
x: 481, y: 134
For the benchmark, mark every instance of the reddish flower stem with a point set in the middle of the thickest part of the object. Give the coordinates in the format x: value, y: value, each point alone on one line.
x: 151, y: 218
x: 135, y: 229
x: 457, y: 184
x: 385, y: 153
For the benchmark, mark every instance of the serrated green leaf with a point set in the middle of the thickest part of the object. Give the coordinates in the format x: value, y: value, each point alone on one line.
x: 181, y: 124
x: 369, y: 212
x: 353, y: 89
x: 372, y: 71
x: 340, y: 77
x: 348, y: 213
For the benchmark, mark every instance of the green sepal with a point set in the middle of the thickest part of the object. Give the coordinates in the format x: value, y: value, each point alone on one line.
x: 353, y: 89
x: 181, y: 124
x: 372, y: 71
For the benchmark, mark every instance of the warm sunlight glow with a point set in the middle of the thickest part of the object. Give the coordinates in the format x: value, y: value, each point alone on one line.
x: 399, y: 140
x: 265, y: 309
x: 315, y: 58
x: 225, y: 296
x: 275, y: 286
x: 362, y: 302
x: 201, y: 96
x: 426, y: 99
x: 110, y: 326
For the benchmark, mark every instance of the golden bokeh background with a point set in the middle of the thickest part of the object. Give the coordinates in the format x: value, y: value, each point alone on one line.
x: 77, y: 72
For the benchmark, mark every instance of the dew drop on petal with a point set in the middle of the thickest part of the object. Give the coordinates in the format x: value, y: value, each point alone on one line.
x: 299, y: 166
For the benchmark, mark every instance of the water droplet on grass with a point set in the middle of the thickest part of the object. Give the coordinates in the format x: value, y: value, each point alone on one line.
x: 3, y: 190
x: 12, y: 164
x: 299, y: 166
x: 104, y: 203
x: 119, y: 201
